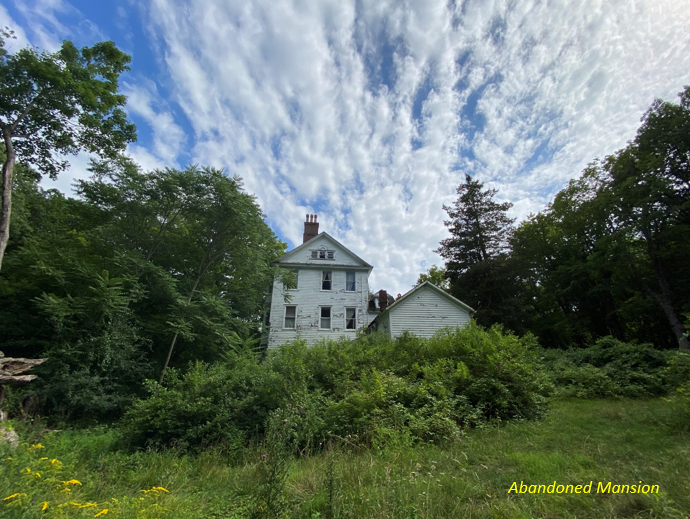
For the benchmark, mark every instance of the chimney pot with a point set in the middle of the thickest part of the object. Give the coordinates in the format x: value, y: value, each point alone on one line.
x: 311, y: 228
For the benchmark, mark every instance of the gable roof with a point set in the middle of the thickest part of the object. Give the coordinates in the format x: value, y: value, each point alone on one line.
x: 435, y: 289
x: 285, y: 258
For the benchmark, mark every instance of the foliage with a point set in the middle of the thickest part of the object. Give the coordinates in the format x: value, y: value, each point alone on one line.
x: 101, y: 284
x: 479, y: 227
x: 578, y: 441
x: 597, y: 261
x: 59, y: 103
x: 435, y: 275
x: 374, y: 391
x: 40, y: 485
x: 611, y: 368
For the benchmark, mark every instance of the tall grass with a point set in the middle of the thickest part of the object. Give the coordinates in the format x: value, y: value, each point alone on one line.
x: 623, y: 441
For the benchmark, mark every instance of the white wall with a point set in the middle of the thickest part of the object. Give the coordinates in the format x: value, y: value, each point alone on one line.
x: 308, y: 297
x: 425, y: 312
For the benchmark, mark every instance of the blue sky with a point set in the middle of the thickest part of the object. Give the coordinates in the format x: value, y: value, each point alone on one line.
x: 369, y: 113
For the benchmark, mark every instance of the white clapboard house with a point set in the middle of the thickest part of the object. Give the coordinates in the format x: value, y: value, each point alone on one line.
x: 422, y: 311
x: 330, y: 297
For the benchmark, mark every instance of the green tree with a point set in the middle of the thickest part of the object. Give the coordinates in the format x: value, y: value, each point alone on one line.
x: 478, y: 225
x: 57, y: 103
x: 648, y: 189
x: 200, y: 242
x: 435, y: 275
x: 477, y: 266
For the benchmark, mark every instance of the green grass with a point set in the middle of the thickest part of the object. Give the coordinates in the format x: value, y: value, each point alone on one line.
x: 622, y: 441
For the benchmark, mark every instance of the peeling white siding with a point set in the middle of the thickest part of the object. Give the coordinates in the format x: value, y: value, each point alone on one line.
x: 423, y: 313
x: 308, y: 297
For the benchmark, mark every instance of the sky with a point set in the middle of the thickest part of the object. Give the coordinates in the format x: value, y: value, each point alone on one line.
x: 369, y: 113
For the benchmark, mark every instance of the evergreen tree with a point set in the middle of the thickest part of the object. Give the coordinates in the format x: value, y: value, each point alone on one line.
x: 479, y: 227
x: 477, y: 266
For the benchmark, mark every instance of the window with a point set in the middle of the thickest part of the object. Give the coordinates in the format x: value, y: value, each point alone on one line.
x: 322, y: 254
x: 350, y: 318
x: 350, y: 281
x: 293, y: 286
x: 325, y: 320
x: 326, y: 279
x: 290, y: 312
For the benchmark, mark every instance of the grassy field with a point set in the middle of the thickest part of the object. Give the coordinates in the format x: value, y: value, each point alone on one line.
x: 621, y: 441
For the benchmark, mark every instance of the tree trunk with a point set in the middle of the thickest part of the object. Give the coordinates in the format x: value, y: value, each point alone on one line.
x: 6, y: 193
x: 664, y: 300
x: 174, y: 340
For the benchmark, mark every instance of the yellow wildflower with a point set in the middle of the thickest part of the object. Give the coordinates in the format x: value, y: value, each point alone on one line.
x: 87, y: 505
x: 41, y: 459
x: 102, y: 512
x: 37, y: 446
x: 162, y: 489
x: 28, y: 470
x: 53, y: 461
x: 10, y: 458
x: 10, y: 497
x: 66, y: 490
x: 71, y: 482
x: 45, y: 505
x: 37, y: 474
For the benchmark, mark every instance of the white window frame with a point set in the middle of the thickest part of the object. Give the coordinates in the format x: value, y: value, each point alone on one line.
x: 314, y: 254
x: 285, y: 317
x: 354, y: 275
x: 330, y: 318
x: 322, y: 281
x: 355, y: 317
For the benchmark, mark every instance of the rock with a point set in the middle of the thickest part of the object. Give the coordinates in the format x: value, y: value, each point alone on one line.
x: 9, y: 436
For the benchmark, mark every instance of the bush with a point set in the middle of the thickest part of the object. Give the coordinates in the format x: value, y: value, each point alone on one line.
x: 220, y: 403
x: 611, y: 368
x: 375, y: 390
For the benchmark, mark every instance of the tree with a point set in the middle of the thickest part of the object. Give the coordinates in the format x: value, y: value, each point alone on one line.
x: 477, y: 266
x: 57, y: 103
x: 435, y: 275
x: 648, y: 189
x: 479, y: 227
x: 199, y: 244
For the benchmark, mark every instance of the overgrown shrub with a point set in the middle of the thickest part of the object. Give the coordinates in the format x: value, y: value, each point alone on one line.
x: 373, y: 390
x: 611, y: 368
x: 211, y: 403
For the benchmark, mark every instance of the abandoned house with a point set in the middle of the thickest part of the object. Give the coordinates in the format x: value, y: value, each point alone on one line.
x: 330, y: 297
x: 422, y: 311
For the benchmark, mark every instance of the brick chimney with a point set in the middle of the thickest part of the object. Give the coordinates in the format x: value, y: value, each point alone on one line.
x: 311, y: 228
x: 383, y: 300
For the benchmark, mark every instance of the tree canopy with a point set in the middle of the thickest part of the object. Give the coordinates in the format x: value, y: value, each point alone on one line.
x: 59, y: 103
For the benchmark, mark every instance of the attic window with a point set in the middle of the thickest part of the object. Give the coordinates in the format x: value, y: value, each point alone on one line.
x: 322, y: 254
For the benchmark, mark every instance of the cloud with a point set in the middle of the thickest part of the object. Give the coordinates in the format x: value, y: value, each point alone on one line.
x: 169, y: 139
x: 20, y: 40
x: 370, y: 113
